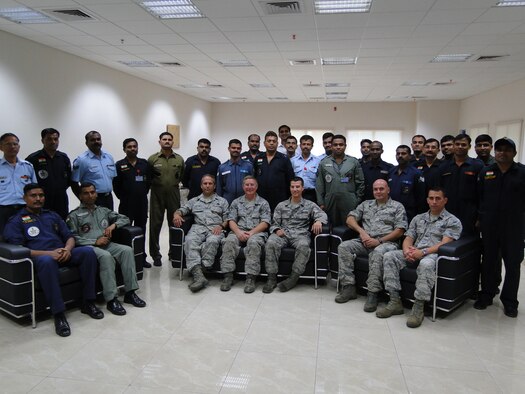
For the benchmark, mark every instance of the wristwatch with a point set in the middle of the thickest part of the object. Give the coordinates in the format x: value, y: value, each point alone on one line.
x: 425, y: 251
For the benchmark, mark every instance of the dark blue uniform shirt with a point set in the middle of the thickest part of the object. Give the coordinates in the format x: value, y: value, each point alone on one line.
x: 229, y: 178
x: 372, y: 173
x: 194, y: 170
x: 273, y: 178
x: 408, y: 188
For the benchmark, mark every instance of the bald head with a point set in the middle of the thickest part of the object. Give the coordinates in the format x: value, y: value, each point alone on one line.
x: 381, y: 190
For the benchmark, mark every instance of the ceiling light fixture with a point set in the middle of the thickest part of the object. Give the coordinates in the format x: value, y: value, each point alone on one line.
x: 510, y: 3
x: 278, y: 98
x: 453, y: 57
x: 415, y: 83
x: 137, y: 63
x: 341, y: 6
x: 172, y: 9
x: 235, y: 63
x: 338, y: 61
x: 336, y: 85
x: 192, y: 86
x: 24, y: 15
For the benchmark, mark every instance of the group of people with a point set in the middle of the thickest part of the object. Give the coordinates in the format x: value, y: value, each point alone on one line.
x: 270, y: 199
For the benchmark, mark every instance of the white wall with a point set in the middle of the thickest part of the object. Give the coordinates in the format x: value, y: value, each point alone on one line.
x: 502, y: 104
x: 435, y: 118
x: 43, y: 87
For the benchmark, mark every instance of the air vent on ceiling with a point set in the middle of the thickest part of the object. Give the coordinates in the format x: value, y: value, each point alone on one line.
x: 169, y: 64
x: 70, y: 15
x: 281, y: 7
x: 304, y: 62
x: 445, y: 83
x: 490, y: 58
x: 312, y: 85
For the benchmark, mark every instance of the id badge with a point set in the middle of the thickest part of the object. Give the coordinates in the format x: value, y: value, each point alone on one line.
x: 345, y: 180
x: 139, y: 178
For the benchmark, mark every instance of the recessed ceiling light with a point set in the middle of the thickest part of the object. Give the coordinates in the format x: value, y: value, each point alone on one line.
x: 222, y: 98
x: 510, y: 3
x: 277, y: 98
x: 453, y: 57
x: 312, y: 85
x: 336, y: 85
x: 172, y: 9
x: 302, y: 62
x: 24, y: 15
x: 341, y: 6
x: 262, y: 85
x: 415, y: 83
x: 137, y: 63
x: 234, y: 63
x: 338, y: 61
x: 192, y: 86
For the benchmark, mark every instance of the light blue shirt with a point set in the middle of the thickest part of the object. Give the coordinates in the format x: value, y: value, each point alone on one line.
x: 13, y: 179
x: 98, y: 170
x: 306, y: 169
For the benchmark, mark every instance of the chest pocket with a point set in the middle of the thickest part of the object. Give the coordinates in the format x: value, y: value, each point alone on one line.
x: 112, y: 172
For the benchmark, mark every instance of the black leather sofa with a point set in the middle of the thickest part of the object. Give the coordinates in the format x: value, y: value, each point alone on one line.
x: 20, y: 292
x: 457, y: 271
x: 317, y: 267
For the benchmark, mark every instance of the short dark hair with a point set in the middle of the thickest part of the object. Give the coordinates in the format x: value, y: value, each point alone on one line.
x: 90, y: 133
x: 7, y: 135
x: 270, y: 134
x: 420, y: 136
x: 306, y: 137
x: 430, y: 140
x: 377, y: 142
x: 438, y: 189
x: 339, y: 137
x: 365, y: 141
x: 234, y: 141
x: 127, y: 141
x: 204, y: 141
x: 290, y: 137
x: 286, y: 126
x: 297, y: 179
x: 85, y: 185
x: 406, y: 147
x: 49, y: 130
x: 254, y: 135
x: 446, y: 138
x: 165, y: 133
x: 31, y: 186
x: 483, y: 138
x: 328, y: 134
x: 463, y: 136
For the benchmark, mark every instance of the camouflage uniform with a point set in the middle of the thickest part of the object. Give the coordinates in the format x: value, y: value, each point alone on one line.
x: 87, y: 226
x: 295, y: 220
x: 208, y: 212
x: 247, y: 215
x: 378, y: 221
x: 426, y: 232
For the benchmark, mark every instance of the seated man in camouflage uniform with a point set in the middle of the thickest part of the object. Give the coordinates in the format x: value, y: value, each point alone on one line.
x: 290, y: 226
x: 94, y: 225
x: 202, y: 241
x: 383, y: 222
x: 249, y: 217
x: 426, y: 233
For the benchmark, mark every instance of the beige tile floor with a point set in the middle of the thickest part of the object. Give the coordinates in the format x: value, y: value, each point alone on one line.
x: 296, y: 342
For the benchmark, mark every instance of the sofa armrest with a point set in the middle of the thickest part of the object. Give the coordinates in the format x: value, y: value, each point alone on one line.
x: 14, y: 252
x: 460, y: 246
x: 124, y: 235
x: 344, y: 232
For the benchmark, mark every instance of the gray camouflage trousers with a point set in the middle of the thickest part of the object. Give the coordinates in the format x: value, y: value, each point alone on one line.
x: 231, y: 247
x: 200, y: 247
x: 349, y: 250
x: 273, y: 249
x: 426, y: 273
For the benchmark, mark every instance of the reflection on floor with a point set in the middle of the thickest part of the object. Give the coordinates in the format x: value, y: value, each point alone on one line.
x: 295, y: 342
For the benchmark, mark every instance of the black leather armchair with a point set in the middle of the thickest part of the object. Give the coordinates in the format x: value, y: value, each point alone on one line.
x: 457, y: 271
x: 20, y: 292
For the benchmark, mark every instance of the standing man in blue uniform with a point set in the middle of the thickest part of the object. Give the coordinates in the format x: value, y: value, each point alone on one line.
x: 232, y: 172
x: 502, y: 219
x: 53, y: 172
x: 52, y: 246
x: 305, y: 166
x: 14, y: 175
x: 340, y: 182
x: 483, y: 148
x: 407, y: 184
x: 97, y: 167
x: 365, y: 150
x: 273, y: 171
x: 447, y: 147
x: 429, y: 164
x: 131, y: 187
x: 374, y: 169
x: 254, y: 142
x: 459, y: 179
x: 197, y: 166
x: 418, y: 142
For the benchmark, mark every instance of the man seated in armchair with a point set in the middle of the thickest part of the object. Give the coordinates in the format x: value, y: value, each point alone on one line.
x: 52, y: 246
